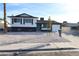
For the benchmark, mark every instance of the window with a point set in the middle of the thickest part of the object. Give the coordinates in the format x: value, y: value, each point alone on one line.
x: 44, y: 25
x: 16, y: 21
x: 28, y: 21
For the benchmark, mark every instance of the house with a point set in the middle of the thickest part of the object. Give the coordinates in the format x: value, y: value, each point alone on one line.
x: 67, y: 27
x: 42, y: 25
x: 26, y: 22
x: 1, y: 25
x: 22, y: 22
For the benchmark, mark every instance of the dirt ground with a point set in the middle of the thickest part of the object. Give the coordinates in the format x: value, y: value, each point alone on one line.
x: 66, y: 40
x: 29, y: 37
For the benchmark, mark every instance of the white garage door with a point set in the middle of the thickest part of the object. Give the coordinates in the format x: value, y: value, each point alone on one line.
x: 55, y: 28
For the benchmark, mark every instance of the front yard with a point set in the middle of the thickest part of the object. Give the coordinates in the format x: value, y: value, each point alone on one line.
x: 38, y: 40
x: 29, y: 37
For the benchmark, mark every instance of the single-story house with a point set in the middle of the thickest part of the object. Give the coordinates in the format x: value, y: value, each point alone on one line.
x: 67, y: 27
x: 42, y: 25
x: 22, y: 22
x: 26, y: 22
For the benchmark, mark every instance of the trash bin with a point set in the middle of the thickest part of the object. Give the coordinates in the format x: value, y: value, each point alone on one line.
x: 59, y: 32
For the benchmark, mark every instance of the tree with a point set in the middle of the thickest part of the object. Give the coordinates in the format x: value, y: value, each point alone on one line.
x: 77, y: 22
x: 64, y: 23
x: 49, y: 23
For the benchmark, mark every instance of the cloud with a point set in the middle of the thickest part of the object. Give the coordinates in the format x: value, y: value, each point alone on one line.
x: 42, y: 1
x: 69, y: 10
x: 61, y: 18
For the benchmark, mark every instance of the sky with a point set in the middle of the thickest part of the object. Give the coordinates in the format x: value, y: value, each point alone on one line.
x: 59, y: 11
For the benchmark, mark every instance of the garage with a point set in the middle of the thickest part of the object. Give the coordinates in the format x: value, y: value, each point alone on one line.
x: 55, y: 27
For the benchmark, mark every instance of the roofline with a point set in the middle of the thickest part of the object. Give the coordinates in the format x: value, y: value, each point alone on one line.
x: 47, y: 21
x: 21, y: 17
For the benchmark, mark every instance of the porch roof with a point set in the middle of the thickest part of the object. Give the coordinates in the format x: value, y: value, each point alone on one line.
x: 46, y: 21
x: 71, y: 25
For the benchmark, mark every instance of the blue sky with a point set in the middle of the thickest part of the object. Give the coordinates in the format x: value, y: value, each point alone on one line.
x: 37, y: 9
x: 58, y: 11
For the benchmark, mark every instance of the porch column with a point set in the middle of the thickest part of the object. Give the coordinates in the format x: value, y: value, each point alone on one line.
x: 22, y: 20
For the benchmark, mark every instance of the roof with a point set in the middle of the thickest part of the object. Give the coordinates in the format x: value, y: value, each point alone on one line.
x: 46, y: 21
x: 71, y: 25
x: 23, y: 15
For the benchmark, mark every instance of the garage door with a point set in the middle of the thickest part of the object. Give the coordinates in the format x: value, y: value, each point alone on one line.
x: 55, y: 28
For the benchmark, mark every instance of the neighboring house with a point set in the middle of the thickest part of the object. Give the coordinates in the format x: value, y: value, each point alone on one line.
x: 42, y: 25
x: 67, y: 27
x: 22, y: 22
x: 1, y: 25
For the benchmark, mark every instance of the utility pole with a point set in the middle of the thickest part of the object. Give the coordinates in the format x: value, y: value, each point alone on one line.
x: 5, y: 23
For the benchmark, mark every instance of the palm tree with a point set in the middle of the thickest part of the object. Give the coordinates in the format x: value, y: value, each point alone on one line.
x: 5, y: 24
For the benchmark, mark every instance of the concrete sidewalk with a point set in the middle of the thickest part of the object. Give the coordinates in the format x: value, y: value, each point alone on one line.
x: 38, y: 46
x: 43, y: 49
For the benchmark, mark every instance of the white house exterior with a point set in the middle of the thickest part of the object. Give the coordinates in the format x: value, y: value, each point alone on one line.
x: 22, y: 22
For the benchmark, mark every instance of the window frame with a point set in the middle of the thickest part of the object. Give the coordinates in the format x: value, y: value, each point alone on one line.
x: 16, y: 20
x: 27, y: 21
